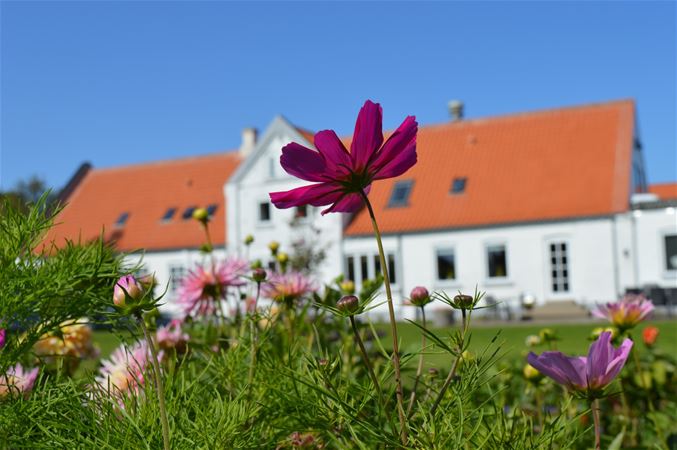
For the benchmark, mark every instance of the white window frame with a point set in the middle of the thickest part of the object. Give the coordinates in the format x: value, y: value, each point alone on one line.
x: 496, y: 279
x: 550, y: 267
x: 175, y: 283
x: 445, y: 281
x: 667, y: 273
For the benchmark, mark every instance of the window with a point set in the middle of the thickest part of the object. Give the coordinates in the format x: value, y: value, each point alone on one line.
x: 446, y: 265
x: 188, y: 213
x: 264, y: 212
x: 350, y: 268
x: 400, y: 194
x: 391, y: 268
x: 301, y: 212
x: 176, y: 274
x: 559, y: 267
x: 377, y: 265
x: 496, y: 261
x: 211, y: 209
x: 671, y: 252
x: 122, y: 219
x: 364, y: 268
x: 169, y: 214
x: 458, y: 185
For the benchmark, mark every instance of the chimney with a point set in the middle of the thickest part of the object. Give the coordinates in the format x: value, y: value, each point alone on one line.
x: 248, y: 141
x: 456, y: 110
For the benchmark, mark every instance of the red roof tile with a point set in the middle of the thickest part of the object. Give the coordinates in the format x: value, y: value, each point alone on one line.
x: 664, y: 191
x: 545, y: 165
x: 145, y: 192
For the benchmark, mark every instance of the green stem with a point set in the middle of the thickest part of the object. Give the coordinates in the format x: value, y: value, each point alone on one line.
x: 393, y: 324
x: 452, y: 372
x: 253, y: 336
x: 595, y: 418
x: 365, y: 356
x: 419, y: 370
x: 158, y: 382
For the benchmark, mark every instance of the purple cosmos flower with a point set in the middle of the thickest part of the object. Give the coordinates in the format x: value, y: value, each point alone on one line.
x: 203, y: 288
x: 588, y: 374
x: 17, y: 380
x: 340, y: 175
x: 627, y: 312
x: 2, y: 337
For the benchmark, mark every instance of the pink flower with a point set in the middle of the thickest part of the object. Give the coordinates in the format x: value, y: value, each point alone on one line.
x: 203, y: 288
x: 340, y: 176
x: 588, y: 374
x: 127, y: 287
x: 2, y: 337
x: 172, y: 336
x: 287, y: 287
x: 17, y: 380
x: 627, y: 312
x: 123, y: 372
x: 419, y: 296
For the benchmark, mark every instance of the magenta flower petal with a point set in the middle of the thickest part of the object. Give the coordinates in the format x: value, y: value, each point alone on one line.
x: 545, y: 365
x: 403, y: 140
x: 599, y: 357
x: 303, y: 162
x: 620, y: 357
x: 368, y: 135
x: 349, y: 203
x: 335, y: 154
x: 315, y: 194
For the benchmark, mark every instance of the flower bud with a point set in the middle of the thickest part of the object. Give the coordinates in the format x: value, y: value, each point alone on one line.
x: 127, y: 287
x: 531, y: 373
x: 463, y: 301
x: 433, y: 372
x: 148, y: 282
x: 282, y: 258
x: 248, y: 239
x: 547, y: 334
x: 348, y: 304
x: 532, y: 340
x: 274, y: 246
x: 419, y: 296
x: 649, y: 335
x: 201, y: 215
x: 348, y: 287
x: 467, y: 357
x: 259, y: 275
x: 594, y: 335
x: 257, y: 264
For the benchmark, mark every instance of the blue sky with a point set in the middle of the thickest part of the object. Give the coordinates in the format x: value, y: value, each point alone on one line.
x: 120, y: 82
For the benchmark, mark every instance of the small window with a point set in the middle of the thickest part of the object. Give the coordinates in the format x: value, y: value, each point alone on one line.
x: 559, y: 267
x: 497, y: 261
x: 458, y: 185
x: 211, y: 209
x: 391, y: 268
x: 188, y: 213
x: 169, y: 214
x: 122, y: 219
x: 264, y: 212
x: 377, y: 265
x: 301, y: 212
x: 350, y: 268
x: 176, y: 275
x: 364, y: 268
x: 446, y: 265
x: 400, y: 194
x: 671, y: 252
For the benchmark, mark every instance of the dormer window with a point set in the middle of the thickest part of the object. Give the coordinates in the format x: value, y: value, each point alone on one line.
x: 400, y: 194
x: 211, y: 209
x: 122, y: 219
x: 188, y: 213
x: 168, y: 214
x: 458, y: 185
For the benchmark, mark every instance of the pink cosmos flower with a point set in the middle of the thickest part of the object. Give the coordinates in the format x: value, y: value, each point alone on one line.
x: 340, y: 175
x: 588, y: 374
x: 172, y: 336
x: 123, y: 372
x: 125, y: 287
x: 17, y: 380
x: 203, y: 287
x: 287, y: 287
x: 627, y: 312
x: 2, y: 337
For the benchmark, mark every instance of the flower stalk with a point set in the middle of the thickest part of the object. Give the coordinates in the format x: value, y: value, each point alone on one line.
x: 419, y: 369
x: 595, y: 418
x: 365, y: 356
x: 454, y: 367
x: 393, y: 324
x: 158, y: 382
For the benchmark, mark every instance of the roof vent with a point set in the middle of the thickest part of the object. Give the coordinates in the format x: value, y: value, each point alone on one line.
x: 455, y: 110
x: 248, y: 141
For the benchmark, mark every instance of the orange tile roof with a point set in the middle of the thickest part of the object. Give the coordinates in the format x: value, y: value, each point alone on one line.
x: 664, y: 191
x: 145, y: 192
x: 545, y: 165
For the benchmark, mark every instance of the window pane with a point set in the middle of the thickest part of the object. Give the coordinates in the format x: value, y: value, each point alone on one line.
x: 400, y: 193
x: 350, y: 268
x: 122, y: 219
x: 377, y: 265
x: 211, y: 209
x: 364, y: 267
x: 559, y: 269
x: 671, y: 252
x: 188, y: 213
x: 264, y: 212
x: 458, y: 185
x: 446, y: 265
x: 301, y: 212
x: 391, y: 268
x: 497, y: 264
x: 169, y: 214
x: 176, y: 274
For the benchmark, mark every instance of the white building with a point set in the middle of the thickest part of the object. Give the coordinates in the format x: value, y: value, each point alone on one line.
x: 550, y: 203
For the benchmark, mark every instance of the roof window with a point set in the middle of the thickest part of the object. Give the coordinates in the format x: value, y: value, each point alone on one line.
x: 400, y: 194
x: 188, y: 213
x: 211, y: 209
x: 458, y: 185
x: 122, y: 219
x: 168, y: 214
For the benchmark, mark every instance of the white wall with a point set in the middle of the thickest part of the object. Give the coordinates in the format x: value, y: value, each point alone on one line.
x: 650, y: 228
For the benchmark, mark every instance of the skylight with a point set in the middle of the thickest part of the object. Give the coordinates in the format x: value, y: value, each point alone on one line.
x: 122, y: 219
x: 458, y: 185
x: 400, y: 194
x: 211, y: 209
x: 188, y: 213
x: 169, y: 214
